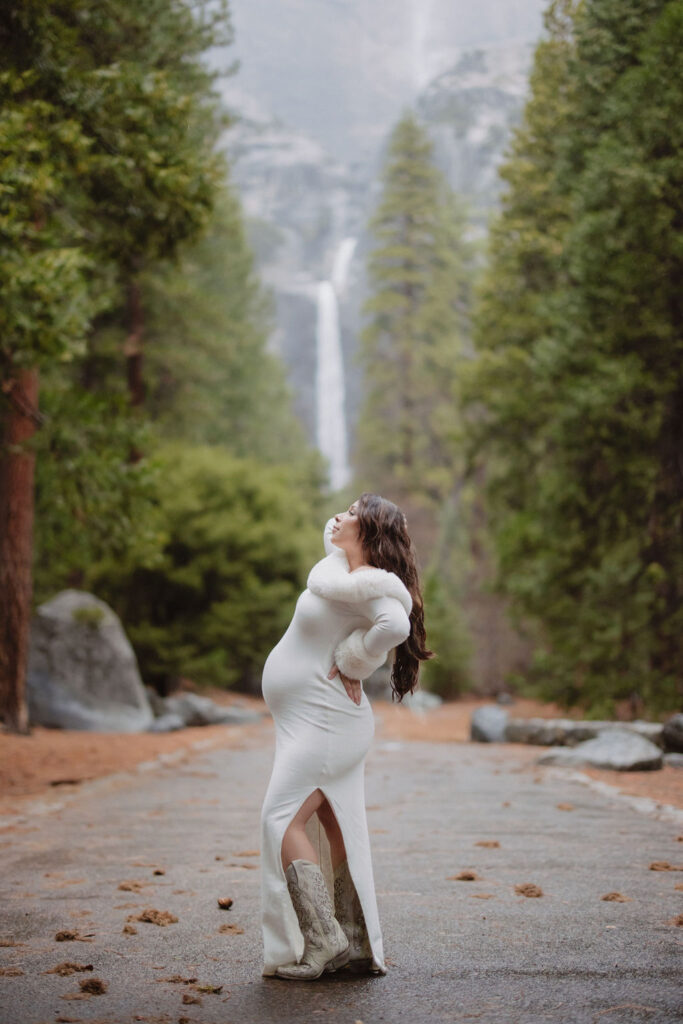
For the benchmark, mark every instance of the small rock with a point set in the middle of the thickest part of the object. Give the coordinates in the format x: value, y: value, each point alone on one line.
x: 225, y: 902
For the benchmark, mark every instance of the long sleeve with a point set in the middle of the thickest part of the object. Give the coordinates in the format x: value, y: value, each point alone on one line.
x: 327, y: 534
x: 364, y: 651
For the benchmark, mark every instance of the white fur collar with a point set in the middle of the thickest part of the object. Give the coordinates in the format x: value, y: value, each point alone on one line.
x: 330, y: 578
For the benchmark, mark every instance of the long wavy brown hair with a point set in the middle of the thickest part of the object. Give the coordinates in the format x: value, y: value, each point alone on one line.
x: 383, y: 532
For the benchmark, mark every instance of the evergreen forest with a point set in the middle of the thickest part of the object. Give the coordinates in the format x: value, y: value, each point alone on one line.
x: 522, y: 395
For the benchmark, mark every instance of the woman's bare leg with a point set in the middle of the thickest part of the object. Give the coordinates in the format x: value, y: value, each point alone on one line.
x: 296, y: 845
x: 329, y: 822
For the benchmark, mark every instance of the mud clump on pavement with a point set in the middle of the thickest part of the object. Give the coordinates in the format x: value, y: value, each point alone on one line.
x: 132, y: 885
x: 677, y: 920
x: 187, y: 998
x: 93, y: 986
x: 68, y: 967
x: 464, y: 876
x: 615, y: 897
x: 129, y: 929
x: 489, y: 843
x: 564, y: 807
x: 177, y: 979
x: 153, y: 916
x: 10, y: 972
x: 231, y: 929
x: 66, y: 935
x: 663, y: 865
x: 528, y: 889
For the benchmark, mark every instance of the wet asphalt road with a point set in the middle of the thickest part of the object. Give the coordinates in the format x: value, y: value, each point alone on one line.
x: 472, y: 951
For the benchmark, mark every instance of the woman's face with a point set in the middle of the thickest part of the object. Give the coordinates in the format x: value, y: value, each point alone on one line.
x: 345, y: 528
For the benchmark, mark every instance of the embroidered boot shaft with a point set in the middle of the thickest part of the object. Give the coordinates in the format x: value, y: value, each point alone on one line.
x: 349, y: 913
x: 325, y: 944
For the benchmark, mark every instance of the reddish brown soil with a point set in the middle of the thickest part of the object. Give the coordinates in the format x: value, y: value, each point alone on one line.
x: 39, y: 766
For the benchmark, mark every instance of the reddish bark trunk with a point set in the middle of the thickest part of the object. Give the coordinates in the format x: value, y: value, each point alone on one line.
x: 16, y: 546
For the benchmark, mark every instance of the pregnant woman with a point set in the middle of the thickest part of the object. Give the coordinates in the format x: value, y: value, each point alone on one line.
x: 362, y: 601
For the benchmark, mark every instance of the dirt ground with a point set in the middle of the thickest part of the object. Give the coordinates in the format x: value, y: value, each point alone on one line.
x: 49, y: 762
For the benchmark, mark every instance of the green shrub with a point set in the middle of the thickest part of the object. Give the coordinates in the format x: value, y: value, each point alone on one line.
x: 240, y: 539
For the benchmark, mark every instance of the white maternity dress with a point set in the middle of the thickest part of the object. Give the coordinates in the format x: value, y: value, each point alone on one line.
x: 322, y: 737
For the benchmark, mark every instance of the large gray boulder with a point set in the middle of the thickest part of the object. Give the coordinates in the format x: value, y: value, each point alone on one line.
x: 619, y: 749
x: 488, y: 723
x: 672, y: 733
x: 194, y: 709
x: 82, y: 670
x: 167, y: 723
x: 422, y: 701
x: 548, y: 732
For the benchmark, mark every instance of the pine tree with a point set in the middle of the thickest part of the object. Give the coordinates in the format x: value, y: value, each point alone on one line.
x: 576, y: 392
x: 416, y: 332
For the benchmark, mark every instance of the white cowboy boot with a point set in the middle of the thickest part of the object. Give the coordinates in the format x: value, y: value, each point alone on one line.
x: 325, y: 944
x: 349, y: 913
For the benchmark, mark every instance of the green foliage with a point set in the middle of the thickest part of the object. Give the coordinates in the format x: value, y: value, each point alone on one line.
x: 212, y: 378
x: 577, y: 394
x: 107, y: 157
x: 88, y: 616
x: 448, y: 672
x: 92, y: 501
x: 238, y: 543
x: 46, y: 304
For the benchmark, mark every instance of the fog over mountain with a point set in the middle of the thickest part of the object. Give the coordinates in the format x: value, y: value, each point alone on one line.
x: 320, y: 86
x: 341, y: 70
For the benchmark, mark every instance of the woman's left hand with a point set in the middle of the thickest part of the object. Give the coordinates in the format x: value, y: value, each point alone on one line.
x: 352, y: 686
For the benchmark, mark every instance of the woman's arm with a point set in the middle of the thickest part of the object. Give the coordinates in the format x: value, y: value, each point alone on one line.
x: 327, y: 534
x: 365, y: 650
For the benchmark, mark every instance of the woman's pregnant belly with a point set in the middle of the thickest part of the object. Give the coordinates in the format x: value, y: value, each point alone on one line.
x: 295, y: 680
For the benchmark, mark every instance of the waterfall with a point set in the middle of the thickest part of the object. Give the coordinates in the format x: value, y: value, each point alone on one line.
x: 329, y: 389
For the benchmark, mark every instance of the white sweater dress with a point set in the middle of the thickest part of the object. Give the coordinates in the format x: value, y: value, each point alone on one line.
x: 352, y: 620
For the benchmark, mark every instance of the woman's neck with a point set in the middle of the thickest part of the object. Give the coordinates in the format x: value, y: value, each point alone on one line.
x: 356, y: 560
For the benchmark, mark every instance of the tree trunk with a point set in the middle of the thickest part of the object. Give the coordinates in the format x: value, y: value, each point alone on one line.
x: 132, y: 350
x: 132, y: 347
x: 16, y: 546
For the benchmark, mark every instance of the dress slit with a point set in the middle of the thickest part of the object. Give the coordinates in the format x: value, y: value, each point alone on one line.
x: 294, y: 937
